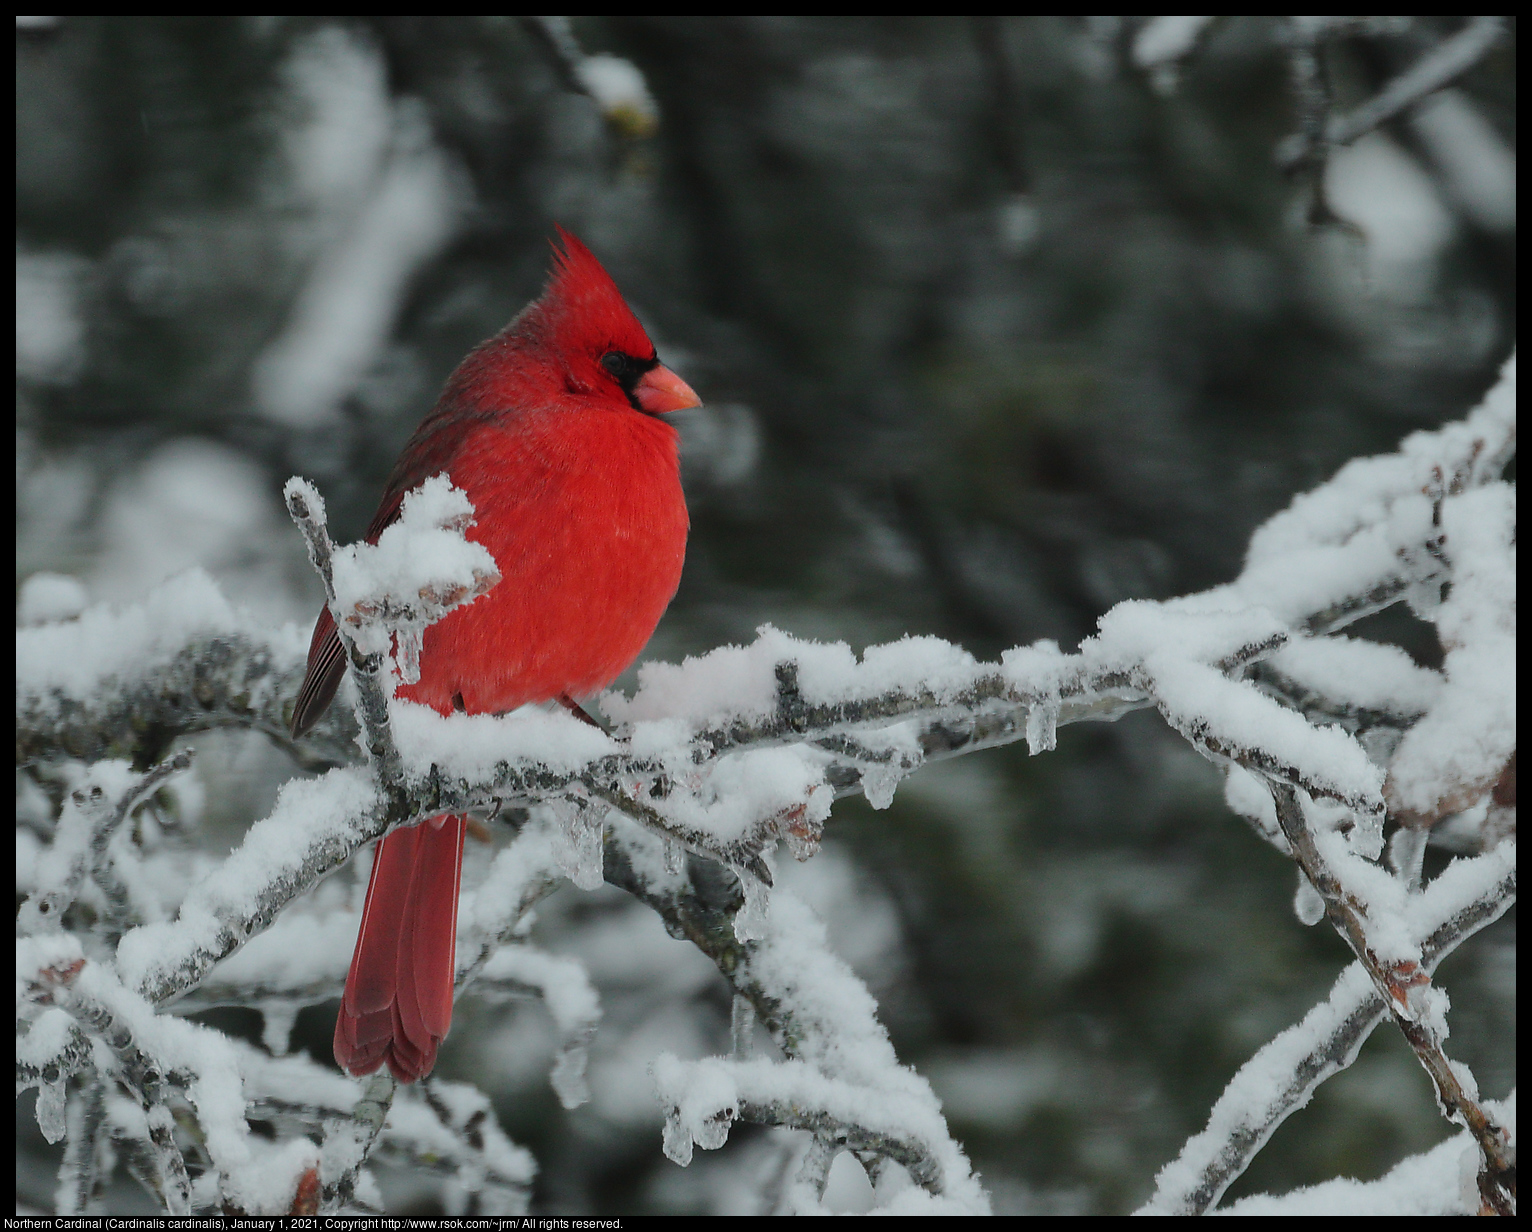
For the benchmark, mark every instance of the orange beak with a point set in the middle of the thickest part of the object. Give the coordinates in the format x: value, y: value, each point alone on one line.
x: 660, y: 391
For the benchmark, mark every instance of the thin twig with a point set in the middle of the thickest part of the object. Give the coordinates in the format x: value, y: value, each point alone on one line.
x: 348, y: 1143
x: 1241, y: 1123
x: 1405, y: 986
x: 1318, y: 129
x: 367, y: 670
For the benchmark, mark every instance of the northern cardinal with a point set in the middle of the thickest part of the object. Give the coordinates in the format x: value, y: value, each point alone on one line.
x: 553, y: 429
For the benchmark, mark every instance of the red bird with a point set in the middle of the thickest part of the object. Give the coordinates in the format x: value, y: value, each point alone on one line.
x: 553, y: 429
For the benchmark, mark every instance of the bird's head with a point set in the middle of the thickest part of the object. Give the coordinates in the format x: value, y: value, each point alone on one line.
x: 588, y: 330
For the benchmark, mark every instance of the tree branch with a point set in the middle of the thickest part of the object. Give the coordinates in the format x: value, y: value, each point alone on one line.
x: 1282, y: 1077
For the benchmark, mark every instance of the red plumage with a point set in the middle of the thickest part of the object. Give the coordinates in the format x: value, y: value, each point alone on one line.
x: 552, y: 428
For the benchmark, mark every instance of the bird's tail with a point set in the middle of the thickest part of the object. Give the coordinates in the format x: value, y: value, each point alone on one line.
x: 398, y: 1000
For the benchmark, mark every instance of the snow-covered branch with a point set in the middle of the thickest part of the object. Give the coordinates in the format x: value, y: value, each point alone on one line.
x: 709, y: 767
x: 125, y: 684
x: 840, y: 1080
x: 1282, y: 1076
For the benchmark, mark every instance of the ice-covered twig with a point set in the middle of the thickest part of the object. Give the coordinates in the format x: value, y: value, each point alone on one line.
x: 705, y: 1097
x: 78, y: 1172
x: 119, y: 910
x: 49, y: 1050
x: 455, y: 1128
x: 1282, y: 1076
x: 348, y: 1142
x: 59, y: 984
x: 314, y: 828
x: 366, y: 668
x: 1418, y: 1008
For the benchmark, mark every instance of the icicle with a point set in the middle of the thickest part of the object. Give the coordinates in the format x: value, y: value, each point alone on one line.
x: 675, y: 858
x: 1042, y: 726
x: 713, y: 1132
x: 1366, y: 837
x: 407, y: 655
x: 1406, y: 854
x: 742, y: 1027
x: 1307, y: 903
x: 879, y: 781
x: 678, y: 1138
x: 750, y: 920
x: 577, y: 844
x: 801, y: 829
x: 568, y: 1076
x: 277, y: 1018
x: 50, y: 1110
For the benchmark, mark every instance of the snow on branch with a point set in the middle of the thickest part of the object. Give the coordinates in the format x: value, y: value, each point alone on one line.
x: 126, y: 683
x: 841, y: 1079
x: 709, y: 767
x: 1282, y: 1076
x: 616, y: 86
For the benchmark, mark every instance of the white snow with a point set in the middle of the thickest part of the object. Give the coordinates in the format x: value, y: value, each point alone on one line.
x: 307, y: 813
x: 470, y: 745
x: 619, y: 89
x: 740, y: 681
x: 1370, y: 524
x: 420, y: 569
x: 47, y: 597
x: 1161, y: 39
x: 76, y: 658
x: 1361, y: 674
x: 1457, y: 751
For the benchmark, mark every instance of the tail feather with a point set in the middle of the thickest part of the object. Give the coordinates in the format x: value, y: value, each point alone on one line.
x: 397, y: 1005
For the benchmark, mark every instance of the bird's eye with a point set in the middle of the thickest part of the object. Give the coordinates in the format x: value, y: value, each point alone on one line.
x: 616, y: 363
